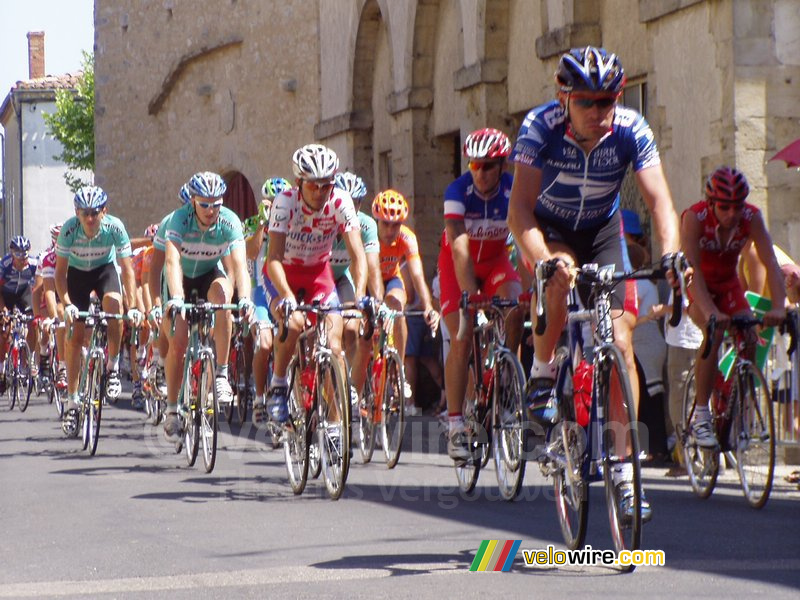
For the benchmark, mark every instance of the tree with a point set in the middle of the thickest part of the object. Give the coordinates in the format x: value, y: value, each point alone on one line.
x: 73, y: 125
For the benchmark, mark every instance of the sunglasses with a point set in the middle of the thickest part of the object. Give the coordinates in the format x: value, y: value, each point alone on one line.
x: 207, y: 205
x: 91, y: 212
x: 315, y: 186
x: 728, y: 206
x: 475, y: 165
x: 601, y: 102
x: 19, y: 254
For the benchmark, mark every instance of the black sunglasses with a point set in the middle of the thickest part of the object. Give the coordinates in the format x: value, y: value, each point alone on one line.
x: 603, y: 102
x: 91, y: 212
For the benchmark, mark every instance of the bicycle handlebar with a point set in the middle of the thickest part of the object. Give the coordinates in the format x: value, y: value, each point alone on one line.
x: 470, y: 301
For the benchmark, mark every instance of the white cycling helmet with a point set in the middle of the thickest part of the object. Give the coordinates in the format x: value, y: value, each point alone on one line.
x: 314, y: 161
x: 352, y: 184
x: 207, y: 185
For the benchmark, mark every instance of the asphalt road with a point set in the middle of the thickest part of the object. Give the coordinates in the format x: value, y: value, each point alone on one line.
x: 135, y: 521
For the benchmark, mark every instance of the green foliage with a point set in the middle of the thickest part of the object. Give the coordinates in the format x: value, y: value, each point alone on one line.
x: 73, y: 124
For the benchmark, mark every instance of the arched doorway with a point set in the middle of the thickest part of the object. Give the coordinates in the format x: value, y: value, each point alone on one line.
x: 240, y: 197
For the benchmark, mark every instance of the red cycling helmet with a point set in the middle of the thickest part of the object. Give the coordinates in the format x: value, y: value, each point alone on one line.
x: 487, y: 144
x: 727, y: 185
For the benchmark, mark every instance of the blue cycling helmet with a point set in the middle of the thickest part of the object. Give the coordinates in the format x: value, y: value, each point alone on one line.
x: 184, y: 194
x: 207, y: 185
x: 90, y: 196
x: 274, y: 186
x: 590, y: 69
x: 351, y: 183
x: 20, y: 243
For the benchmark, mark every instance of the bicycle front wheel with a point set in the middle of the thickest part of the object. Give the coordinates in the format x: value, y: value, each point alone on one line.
x: 191, y: 415
x: 94, y: 407
x: 393, y: 409
x: 26, y: 383
x: 295, y: 435
x: 235, y: 366
x: 702, y: 464
x: 333, y: 427
x: 366, y: 418
x: 10, y: 381
x: 467, y: 471
x: 620, y: 451
x: 242, y: 385
x: 207, y: 407
x: 508, y: 418
x: 754, y: 435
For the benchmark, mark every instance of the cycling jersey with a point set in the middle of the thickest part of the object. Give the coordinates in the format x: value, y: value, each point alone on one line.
x: 87, y: 254
x: 47, y: 264
x: 581, y: 190
x: 14, y: 281
x: 160, y: 239
x: 201, y: 250
x: 718, y: 264
x: 486, y: 220
x: 403, y: 249
x: 340, y: 257
x: 142, y: 259
x: 310, y: 234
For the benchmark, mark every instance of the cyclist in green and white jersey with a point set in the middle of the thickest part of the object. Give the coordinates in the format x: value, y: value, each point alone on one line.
x: 257, y: 242
x: 197, y: 236
x: 356, y: 348
x: 88, y: 249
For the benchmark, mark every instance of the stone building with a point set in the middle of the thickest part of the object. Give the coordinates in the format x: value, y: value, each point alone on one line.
x: 394, y: 86
x: 34, y: 192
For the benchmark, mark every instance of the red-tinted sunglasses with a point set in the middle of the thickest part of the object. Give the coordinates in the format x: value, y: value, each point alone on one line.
x: 475, y: 165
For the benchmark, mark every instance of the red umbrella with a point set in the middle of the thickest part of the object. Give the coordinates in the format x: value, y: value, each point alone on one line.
x: 790, y: 154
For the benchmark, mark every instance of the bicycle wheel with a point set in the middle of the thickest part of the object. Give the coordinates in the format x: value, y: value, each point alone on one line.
x: 314, y: 458
x: 393, y: 409
x: 26, y: 383
x: 10, y: 380
x: 702, y: 464
x: 333, y: 426
x: 295, y: 435
x: 242, y: 385
x: 207, y: 407
x: 191, y: 414
x: 754, y: 435
x: 94, y: 406
x: 84, y: 400
x: 508, y: 423
x: 568, y: 453
x: 619, y: 431
x: 366, y: 418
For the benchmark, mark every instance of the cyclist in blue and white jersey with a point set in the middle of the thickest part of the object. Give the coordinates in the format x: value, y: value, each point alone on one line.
x: 89, y: 247
x: 257, y: 241
x: 570, y: 159
x: 17, y: 275
x: 357, y: 349
x: 197, y: 236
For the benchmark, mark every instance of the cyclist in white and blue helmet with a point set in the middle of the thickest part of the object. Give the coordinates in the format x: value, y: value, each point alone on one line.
x: 198, y: 236
x: 90, y: 246
x: 571, y: 156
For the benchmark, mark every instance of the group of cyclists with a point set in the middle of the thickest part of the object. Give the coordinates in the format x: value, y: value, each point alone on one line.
x: 316, y: 240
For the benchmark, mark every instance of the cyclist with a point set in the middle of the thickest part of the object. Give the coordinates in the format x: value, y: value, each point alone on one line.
x: 713, y: 233
x: 303, y: 224
x: 198, y: 235
x: 87, y: 251
x: 17, y: 275
x: 356, y: 348
x: 474, y: 258
x: 398, y: 246
x: 570, y: 159
x: 52, y: 308
x: 141, y: 259
x: 257, y: 242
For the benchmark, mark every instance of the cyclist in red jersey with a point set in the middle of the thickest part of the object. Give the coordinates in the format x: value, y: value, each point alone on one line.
x: 713, y: 233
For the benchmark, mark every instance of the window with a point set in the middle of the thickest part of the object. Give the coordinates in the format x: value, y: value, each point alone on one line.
x: 385, y: 165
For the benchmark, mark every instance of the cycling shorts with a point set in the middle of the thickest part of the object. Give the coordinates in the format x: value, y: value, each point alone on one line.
x: 603, y: 245
x: 262, y: 306
x: 101, y: 280
x: 491, y: 274
x: 308, y: 283
x: 345, y: 290
x: 728, y: 297
x: 201, y: 284
x: 394, y: 283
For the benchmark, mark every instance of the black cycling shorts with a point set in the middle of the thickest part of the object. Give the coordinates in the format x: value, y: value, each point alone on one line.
x: 20, y: 299
x: 604, y: 245
x: 102, y: 280
x: 200, y: 284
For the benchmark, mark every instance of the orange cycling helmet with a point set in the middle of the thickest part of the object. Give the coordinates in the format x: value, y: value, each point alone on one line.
x: 390, y: 205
